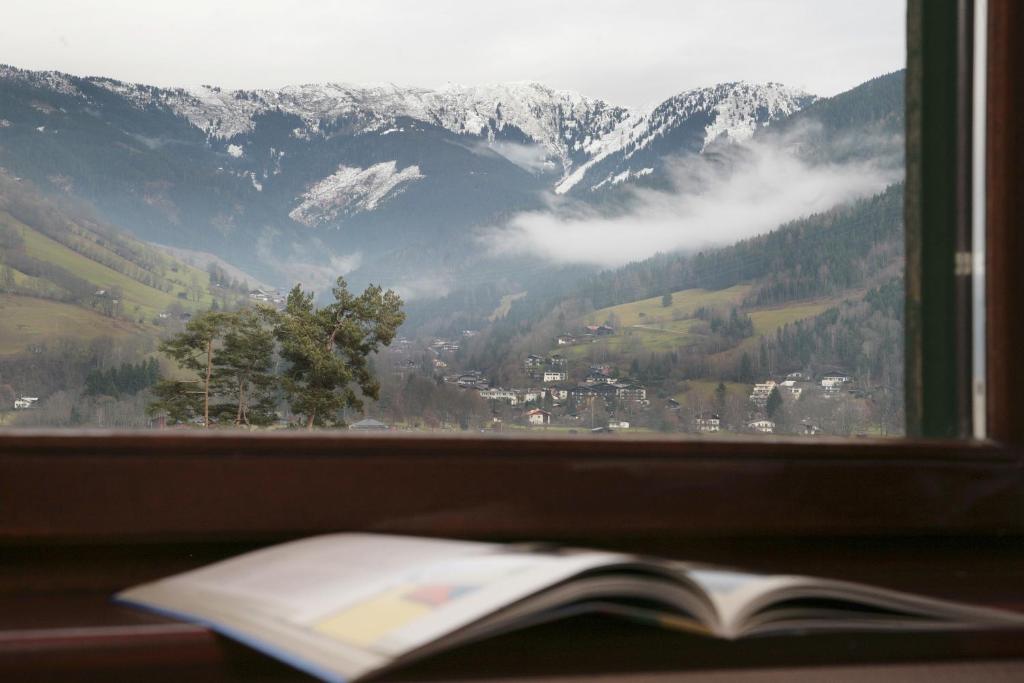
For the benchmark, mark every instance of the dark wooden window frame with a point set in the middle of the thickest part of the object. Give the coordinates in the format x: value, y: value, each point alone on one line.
x: 102, y: 488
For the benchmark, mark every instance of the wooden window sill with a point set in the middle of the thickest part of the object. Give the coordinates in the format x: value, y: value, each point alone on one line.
x: 64, y: 624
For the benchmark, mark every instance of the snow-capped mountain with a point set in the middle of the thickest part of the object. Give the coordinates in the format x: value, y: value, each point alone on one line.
x: 687, y: 122
x: 284, y: 182
x: 567, y: 125
x: 574, y: 130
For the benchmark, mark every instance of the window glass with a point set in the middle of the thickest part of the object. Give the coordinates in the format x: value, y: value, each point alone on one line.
x: 652, y: 218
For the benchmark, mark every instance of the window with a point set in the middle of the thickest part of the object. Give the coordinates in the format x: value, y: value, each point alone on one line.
x: 933, y: 474
x: 82, y: 512
x: 713, y: 250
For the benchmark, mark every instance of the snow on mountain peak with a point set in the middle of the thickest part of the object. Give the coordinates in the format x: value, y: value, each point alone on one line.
x: 741, y: 108
x: 733, y: 110
x: 572, y: 130
x: 53, y: 80
x: 564, y: 123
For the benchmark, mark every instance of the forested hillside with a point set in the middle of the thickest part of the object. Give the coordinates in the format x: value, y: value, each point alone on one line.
x: 815, y: 256
x: 817, y: 295
x: 82, y: 307
x: 864, y: 123
x: 58, y: 251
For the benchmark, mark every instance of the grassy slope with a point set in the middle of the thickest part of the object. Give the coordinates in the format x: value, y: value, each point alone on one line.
x: 505, y: 305
x: 684, y: 303
x: 26, y: 320
x: 149, y: 300
x: 652, y: 324
x: 767, y: 320
x: 705, y: 389
x: 647, y: 326
x: 34, y: 283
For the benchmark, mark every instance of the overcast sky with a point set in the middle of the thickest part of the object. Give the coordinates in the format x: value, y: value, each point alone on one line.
x: 633, y: 52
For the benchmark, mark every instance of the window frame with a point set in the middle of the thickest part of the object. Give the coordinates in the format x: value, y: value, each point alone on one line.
x: 103, y: 487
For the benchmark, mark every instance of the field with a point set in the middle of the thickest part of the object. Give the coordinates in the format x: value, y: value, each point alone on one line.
x: 26, y: 320
x: 767, y: 320
x: 684, y: 303
x: 645, y: 326
x: 705, y: 389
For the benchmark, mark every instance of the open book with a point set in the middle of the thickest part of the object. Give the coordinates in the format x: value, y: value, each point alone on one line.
x: 346, y: 605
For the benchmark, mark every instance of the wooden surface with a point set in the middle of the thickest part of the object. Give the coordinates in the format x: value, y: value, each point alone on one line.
x: 82, y: 516
x: 147, y: 487
x: 56, y: 618
x: 1005, y: 220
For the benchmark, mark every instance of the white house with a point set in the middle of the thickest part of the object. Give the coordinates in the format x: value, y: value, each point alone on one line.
x: 759, y: 396
x: 25, y: 402
x: 810, y: 429
x: 538, y: 417
x: 496, y: 394
x: 555, y: 376
x: 627, y: 391
x: 368, y: 425
x: 833, y: 382
x: 790, y: 386
x: 708, y: 422
x: 533, y: 395
x: 763, y: 426
x: 534, y: 361
x: 558, y: 394
x: 620, y: 424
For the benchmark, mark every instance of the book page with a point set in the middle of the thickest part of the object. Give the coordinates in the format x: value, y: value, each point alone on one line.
x: 735, y: 594
x: 360, y: 601
x: 751, y: 603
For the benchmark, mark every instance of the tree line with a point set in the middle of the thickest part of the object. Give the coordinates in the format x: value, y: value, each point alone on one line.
x: 123, y: 380
x: 84, y: 235
x: 244, y: 364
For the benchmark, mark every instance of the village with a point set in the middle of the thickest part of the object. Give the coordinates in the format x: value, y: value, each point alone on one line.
x: 557, y: 393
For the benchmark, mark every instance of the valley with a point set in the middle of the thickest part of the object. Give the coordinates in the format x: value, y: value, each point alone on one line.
x: 791, y: 328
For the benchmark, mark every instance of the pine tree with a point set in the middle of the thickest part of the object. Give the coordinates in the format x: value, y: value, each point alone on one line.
x: 242, y: 368
x: 720, y: 392
x: 746, y: 373
x: 193, y: 350
x: 179, y: 400
x: 328, y: 349
x: 774, y: 402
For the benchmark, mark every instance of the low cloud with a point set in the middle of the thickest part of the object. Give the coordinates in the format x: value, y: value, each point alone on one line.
x: 320, y: 277
x: 533, y: 158
x: 718, y: 198
x: 424, y: 287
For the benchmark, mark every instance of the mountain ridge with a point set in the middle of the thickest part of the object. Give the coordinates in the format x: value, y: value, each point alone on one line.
x: 546, y: 115
x: 383, y: 184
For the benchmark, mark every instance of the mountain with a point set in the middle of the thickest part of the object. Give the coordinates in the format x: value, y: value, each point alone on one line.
x: 686, y: 123
x: 385, y: 183
x: 865, y: 123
